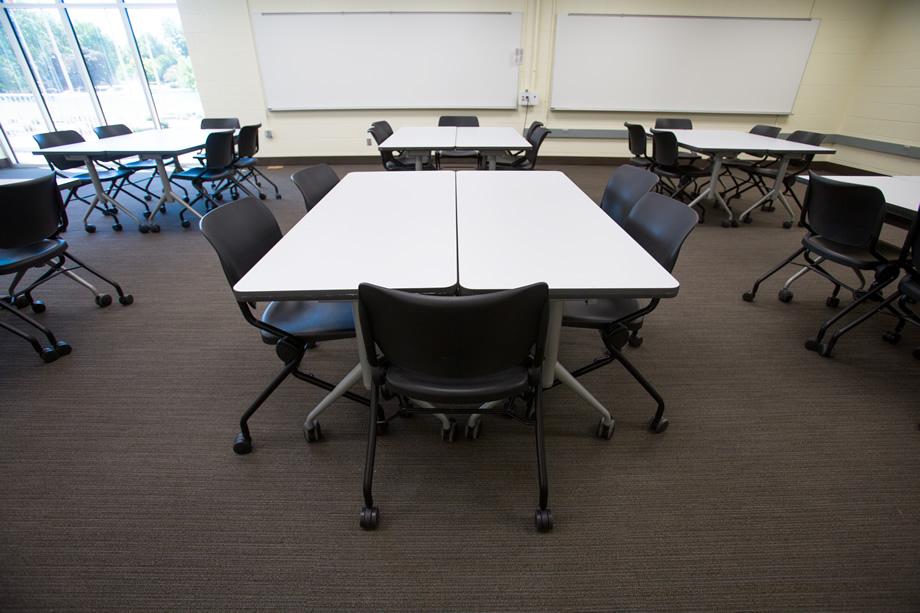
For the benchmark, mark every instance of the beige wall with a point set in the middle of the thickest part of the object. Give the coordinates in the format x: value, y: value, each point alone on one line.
x: 840, y: 91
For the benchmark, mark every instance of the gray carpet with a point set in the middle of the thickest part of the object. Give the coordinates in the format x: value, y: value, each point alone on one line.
x: 786, y: 481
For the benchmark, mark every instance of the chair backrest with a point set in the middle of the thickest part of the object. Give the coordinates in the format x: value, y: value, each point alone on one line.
x: 56, y: 139
x: 627, y: 184
x: 536, y: 141
x: 219, y: 150
x: 912, y: 259
x: 455, y: 337
x: 241, y: 232
x: 673, y: 123
x: 533, y: 126
x: 314, y: 182
x: 461, y: 121
x: 765, y: 130
x: 380, y: 130
x: 30, y: 211
x: 845, y: 213
x: 115, y: 129
x: 661, y: 225
x: 664, y: 149
x: 637, y: 139
x: 220, y: 123
x: 807, y: 138
x: 247, y: 141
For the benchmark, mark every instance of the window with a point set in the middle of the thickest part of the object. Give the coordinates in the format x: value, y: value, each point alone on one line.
x: 77, y: 64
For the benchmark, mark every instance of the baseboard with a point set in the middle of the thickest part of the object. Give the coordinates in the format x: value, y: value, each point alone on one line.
x: 823, y: 167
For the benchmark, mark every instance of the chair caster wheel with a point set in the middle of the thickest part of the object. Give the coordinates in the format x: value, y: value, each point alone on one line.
x: 449, y: 434
x: 891, y: 337
x: 635, y: 341
x: 543, y: 520
x: 89, y: 228
x: 370, y: 518
x: 63, y: 348
x: 22, y: 301
x: 473, y: 433
x: 832, y: 301
x: 49, y: 354
x: 734, y: 223
x: 787, y: 224
x: 242, y: 444
x: 103, y: 300
x: 314, y: 433
x: 785, y: 295
x: 261, y: 196
x: 747, y: 219
x: 38, y: 306
x: 219, y: 197
x: 748, y: 296
x: 163, y: 208
x: 277, y: 196
x: 604, y: 430
x: 126, y: 300
x: 186, y: 223
x: 155, y: 228
x: 726, y: 223
x: 148, y: 197
x: 658, y: 426
x: 800, y: 224
x: 819, y: 348
x: 118, y: 227
x: 143, y: 228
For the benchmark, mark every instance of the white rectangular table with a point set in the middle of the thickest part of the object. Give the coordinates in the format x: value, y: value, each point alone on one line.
x: 517, y: 228
x: 419, y: 142
x: 902, y: 193
x: 491, y: 142
x: 158, y: 145
x: 441, y: 232
x: 722, y: 144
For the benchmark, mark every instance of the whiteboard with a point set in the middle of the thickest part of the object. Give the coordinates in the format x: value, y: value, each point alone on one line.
x: 385, y: 60
x: 679, y: 64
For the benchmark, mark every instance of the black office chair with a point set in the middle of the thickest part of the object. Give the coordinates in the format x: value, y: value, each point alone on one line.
x: 678, y: 174
x: 241, y: 233
x: 661, y: 225
x: 60, y: 165
x: 458, y: 353
x: 627, y: 184
x: 673, y: 123
x: 380, y: 131
x: 218, y: 169
x: 638, y: 143
x: 314, y: 182
x: 32, y: 218
x: 247, y: 146
x: 530, y: 129
x: 907, y: 295
x: 459, y: 121
x: 843, y: 221
x: 758, y: 174
x: 528, y: 160
x: 216, y: 123
x: 742, y: 163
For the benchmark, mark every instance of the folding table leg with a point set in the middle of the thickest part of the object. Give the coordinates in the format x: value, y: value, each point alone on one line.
x: 168, y: 196
x: 775, y: 193
x: 712, y: 191
x: 102, y: 197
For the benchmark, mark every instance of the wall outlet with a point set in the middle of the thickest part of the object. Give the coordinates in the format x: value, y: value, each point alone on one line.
x: 268, y: 134
x: 368, y: 141
x: 528, y: 98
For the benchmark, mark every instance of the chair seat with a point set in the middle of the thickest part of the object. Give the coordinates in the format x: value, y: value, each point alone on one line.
x: 202, y: 173
x: 20, y: 258
x: 460, y: 153
x: 310, y: 320
x: 910, y: 287
x: 600, y: 313
x: 143, y: 164
x: 245, y: 162
x: 104, y: 175
x: 684, y: 170
x: 641, y: 162
x: 853, y: 257
x: 408, y: 166
x: 451, y: 390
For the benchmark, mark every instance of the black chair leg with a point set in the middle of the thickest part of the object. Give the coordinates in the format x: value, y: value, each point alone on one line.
x: 243, y: 442
x: 658, y: 424
x: 270, y: 182
x: 543, y: 518
x: 817, y: 344
x: 55, y: 349
x: 829, y: 347
x: 370, y: 515
x: 123, y: 298
x: 749, y: 296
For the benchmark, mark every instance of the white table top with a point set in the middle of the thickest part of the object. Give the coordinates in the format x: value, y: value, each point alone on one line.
x: 516, y: 228
x: 491, y: 138
x: 736, y: 142
x: 421, y: 138
x: 396, y: 229
x: 902, y: 192
x: 10, y: 176
x: 174, y: 141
